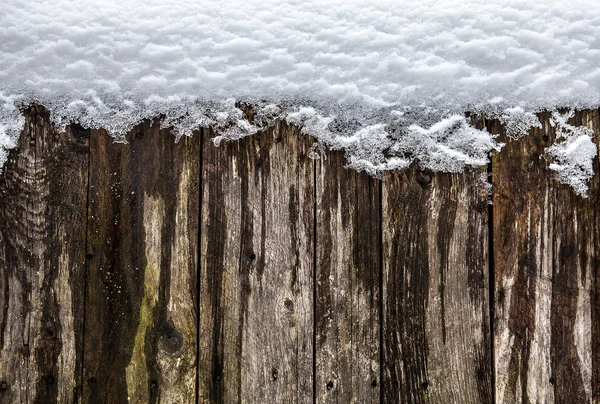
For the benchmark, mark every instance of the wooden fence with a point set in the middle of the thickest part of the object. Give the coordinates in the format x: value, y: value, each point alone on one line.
x: 169, y: 272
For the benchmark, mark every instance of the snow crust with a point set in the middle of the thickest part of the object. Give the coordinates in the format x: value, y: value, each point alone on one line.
x: 388, y: 82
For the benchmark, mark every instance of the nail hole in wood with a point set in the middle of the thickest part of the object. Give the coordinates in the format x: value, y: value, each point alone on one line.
x: 329, y: 385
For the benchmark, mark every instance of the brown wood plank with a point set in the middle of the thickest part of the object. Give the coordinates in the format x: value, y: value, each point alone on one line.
x: 256, y: 299
x: 545, y: 255
x: 43, y: 194
x: 594, y: 123
x: 436, y: 339
x: 141, y: 306
x: 347, y: 283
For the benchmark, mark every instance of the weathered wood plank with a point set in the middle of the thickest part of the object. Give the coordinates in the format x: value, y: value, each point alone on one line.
x: 141, y: 306
x: 593, y: 121
x: 256, y: 299
x: 347, y: 284
x: 43, y: 196
x: 545, y: 255
x: 436, y: 339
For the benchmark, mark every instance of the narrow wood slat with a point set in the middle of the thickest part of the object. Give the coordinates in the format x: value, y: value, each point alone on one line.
x: 546, y: 256
x: 256, y: 309
x: 141, y: 306
x: 347, y: 284
x: 436, y: 339
x: 593, y: 121
x: 43, y: 193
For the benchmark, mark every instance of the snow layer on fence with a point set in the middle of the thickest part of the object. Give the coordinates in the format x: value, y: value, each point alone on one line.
x: 387, y: 81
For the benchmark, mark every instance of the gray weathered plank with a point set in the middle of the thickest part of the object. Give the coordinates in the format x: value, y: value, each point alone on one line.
x: 545, y: 257
x: 436, y: 339
x: 43, y: 193
x: 256, y: 295
x: 347, y: 283
x: 141, y: 305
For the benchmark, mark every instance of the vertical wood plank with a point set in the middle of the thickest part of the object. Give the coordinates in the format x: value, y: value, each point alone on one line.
x: 591, y: 119
x: 347, y: 284
x: 436, y: 339
x: 256, y: 309
x: 545, y: 255
x: 43, y: 196
x: 141, y: 306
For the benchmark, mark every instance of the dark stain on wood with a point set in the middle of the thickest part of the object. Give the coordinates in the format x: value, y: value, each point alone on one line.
x: 435, y: 320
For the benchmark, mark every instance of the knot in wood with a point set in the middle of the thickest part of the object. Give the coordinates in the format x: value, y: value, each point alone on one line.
x: 172, y: 340
x: 424, y: 178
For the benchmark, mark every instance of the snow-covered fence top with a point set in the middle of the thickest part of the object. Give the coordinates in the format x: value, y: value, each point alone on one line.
x: 388, y: 82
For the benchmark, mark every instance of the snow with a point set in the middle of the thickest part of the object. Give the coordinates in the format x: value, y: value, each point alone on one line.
x: 388, y: 82
x: 573, y: 153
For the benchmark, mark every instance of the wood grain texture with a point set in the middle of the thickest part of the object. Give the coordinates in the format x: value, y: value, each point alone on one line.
x: 347, y: 284
x: 141, y: 305
x: 256, y: 310
x: 545, y: 257
x: 593, y: 121
x: 43, y: 192
x: 436, y: 339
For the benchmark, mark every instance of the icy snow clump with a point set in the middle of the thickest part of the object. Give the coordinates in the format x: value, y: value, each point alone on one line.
x: 573, y: 153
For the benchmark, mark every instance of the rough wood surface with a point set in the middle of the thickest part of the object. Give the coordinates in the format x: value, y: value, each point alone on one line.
x: 347, y: 283
x: 256, y: 296
x: 436, y: 339
x: 141, y: 306
x: 545, y: 258
x: 314, y: 283
x: 43, y: 192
